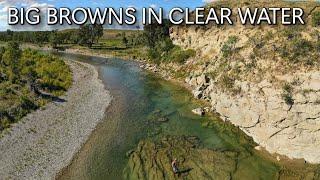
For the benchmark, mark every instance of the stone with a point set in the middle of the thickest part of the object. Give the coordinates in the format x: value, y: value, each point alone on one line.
x: 193, y: 82
x: 197, y: 94
x: 163, y: 119
x: 128, y: 154
x: 207, y: 109
x: 199, y: 111
x: 258, y: 148
x: 187, y: 80
x: 202, y: 80
x: 194, y: 162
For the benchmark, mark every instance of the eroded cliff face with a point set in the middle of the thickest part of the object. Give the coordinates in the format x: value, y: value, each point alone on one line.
x: 251, y: 79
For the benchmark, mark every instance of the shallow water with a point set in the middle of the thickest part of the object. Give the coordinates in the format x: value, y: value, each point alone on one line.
x: 136, y: 96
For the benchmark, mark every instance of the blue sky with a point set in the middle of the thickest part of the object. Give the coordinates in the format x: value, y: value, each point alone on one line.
x: 138, y: 4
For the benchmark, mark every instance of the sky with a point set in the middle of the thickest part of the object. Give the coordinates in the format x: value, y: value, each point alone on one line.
x: 43, y: 4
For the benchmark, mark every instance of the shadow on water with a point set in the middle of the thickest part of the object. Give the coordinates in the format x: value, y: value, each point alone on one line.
x: 147, y: 111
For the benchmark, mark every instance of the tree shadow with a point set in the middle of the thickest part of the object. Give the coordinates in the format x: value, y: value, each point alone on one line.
x: 52, y: 98
x: 184, y: 172
x: 108, y: 48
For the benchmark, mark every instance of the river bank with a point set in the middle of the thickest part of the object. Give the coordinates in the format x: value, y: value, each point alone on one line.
x: 45, y: 141
x: 273, y: 139
x: 156, y: 114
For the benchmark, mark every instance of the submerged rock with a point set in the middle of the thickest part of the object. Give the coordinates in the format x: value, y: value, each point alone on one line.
x: 152, y: 160
x: 128, y: 154
x: 158, y: 116
x: 197, y: 94
x: 163, y: 119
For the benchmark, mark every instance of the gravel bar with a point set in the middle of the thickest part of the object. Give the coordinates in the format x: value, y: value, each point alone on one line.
x: 45, y: 141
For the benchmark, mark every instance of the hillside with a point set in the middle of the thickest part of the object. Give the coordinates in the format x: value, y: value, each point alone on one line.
x: 264, y: 79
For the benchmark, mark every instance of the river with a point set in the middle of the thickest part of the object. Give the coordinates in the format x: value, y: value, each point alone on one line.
x: 139, y: 100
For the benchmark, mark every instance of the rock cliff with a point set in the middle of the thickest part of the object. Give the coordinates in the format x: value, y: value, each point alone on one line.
x: 266, y: 80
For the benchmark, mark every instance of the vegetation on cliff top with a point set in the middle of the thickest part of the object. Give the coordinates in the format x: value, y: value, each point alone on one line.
x: 238, y: 53
x: 160, y: 46
x: 28, y: 79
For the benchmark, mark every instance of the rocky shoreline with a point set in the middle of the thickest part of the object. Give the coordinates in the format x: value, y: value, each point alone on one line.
x: 291, y: 131
x: 45, y: 141
x: 260, y: 111
x: 272, y: 98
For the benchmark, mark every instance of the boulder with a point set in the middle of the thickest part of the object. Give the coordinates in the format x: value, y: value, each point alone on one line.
x: 193, y: 82
x: 258, y: 148
x: 199, y: 111
x: 198, y: 94
x: 151, y: 160
x: 163, y: 119
x: 202, y: 80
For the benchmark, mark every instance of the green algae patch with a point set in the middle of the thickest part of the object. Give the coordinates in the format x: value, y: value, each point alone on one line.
x: 152, y: 160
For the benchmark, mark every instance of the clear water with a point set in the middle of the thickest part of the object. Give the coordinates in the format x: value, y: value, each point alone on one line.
x: 136, y: 95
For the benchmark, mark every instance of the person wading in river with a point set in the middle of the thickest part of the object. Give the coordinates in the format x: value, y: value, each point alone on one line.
x: 174, y: 166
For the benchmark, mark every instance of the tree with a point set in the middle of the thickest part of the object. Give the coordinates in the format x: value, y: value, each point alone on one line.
x: 124, y: 39
x: 74, y: 38
x: 85, y: 35
x: 165, y: 45
x: 97, y: 31
x: 30, y: 76
x: 9, y: 35
x: 154, y: 32
x: 55, y: 39
x: 11, y: 58
x: 90, y: 33
x: 316, y: 19
x: 2, y: 71
x: 229, y: 47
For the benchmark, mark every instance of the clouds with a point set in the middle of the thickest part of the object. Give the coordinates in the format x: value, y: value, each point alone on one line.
x: 208, y: 1
x: 8, y: 3
x: 153, y: 6
x: 5, y: 4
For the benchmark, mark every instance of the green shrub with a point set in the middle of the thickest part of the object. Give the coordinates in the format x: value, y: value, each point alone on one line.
x: 51, y: 73
x: 288, y: 99
x: 4, y: 123
x: 297, y: 50
x: 228, y: 47
x: 164, y: 45
x: 37, y: 73
x: 291, y: 32
x: 316, y: 19
x: 287, y: 88
x: 180, y: 56
x: 227, y: 82
x: 301, y: 47
x: 154, y: 55
x: 317, y: 48
x: 287, y: 94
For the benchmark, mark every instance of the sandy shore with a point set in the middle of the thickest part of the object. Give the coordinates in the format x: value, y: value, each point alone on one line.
x: 45, y: 141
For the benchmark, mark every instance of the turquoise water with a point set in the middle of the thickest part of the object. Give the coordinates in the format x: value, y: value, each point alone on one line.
x: 137, y: 95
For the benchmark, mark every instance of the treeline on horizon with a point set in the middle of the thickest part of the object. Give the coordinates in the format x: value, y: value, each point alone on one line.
x: 154, y: 37
x: 41, y: 37
x: 85, y: 35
